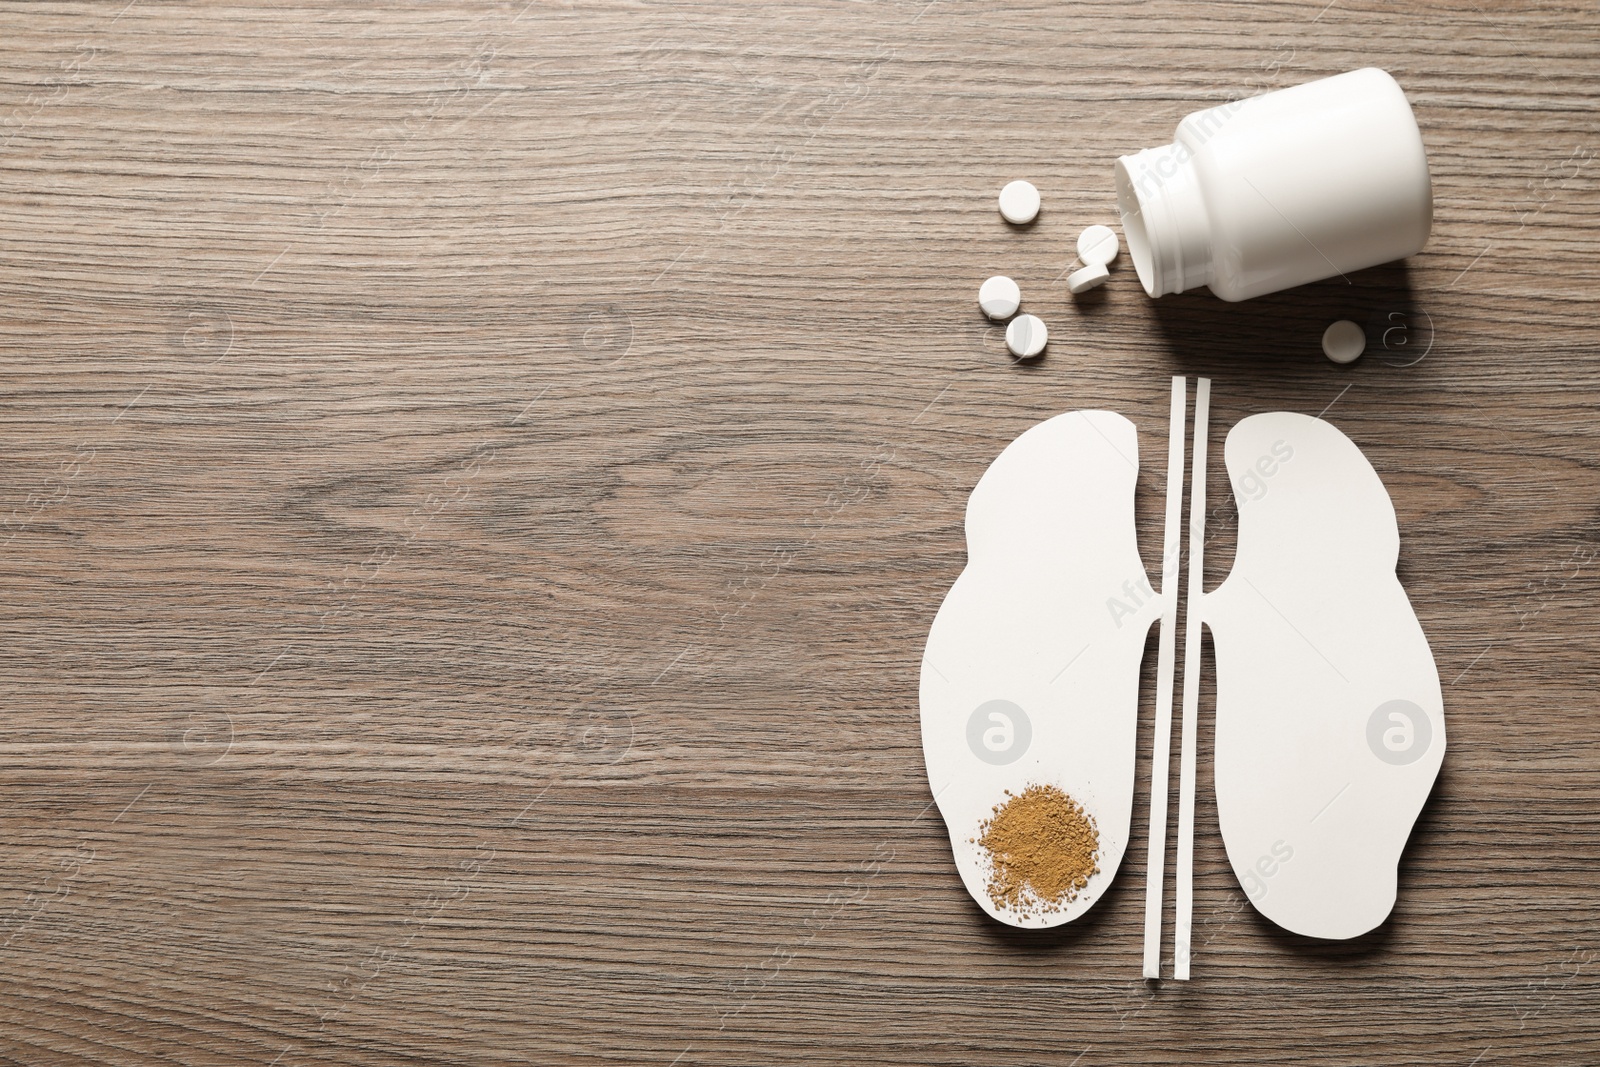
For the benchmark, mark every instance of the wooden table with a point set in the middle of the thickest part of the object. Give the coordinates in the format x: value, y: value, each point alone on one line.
x: 479, y: 480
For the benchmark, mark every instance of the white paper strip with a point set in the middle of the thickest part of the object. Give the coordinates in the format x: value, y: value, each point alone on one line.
x: 1161, y: 735
x: 1191, y: 683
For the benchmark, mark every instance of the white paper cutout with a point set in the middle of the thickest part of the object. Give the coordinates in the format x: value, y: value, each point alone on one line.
x: 1330, y: 719
x: 1050, y: 617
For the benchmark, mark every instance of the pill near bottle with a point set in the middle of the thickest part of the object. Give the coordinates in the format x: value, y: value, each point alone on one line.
x: 1026, y: 336
x: 1097, y: 245
x: 1258, y: 195
x: 1085, y: 278
x: 1019, y: 203
x: 999, y: 297
x: 1344, y: 341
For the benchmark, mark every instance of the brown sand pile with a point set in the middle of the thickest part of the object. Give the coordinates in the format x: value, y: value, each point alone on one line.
x: 1043, y: 846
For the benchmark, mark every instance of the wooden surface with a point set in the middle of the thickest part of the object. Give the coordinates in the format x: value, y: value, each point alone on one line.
x: 479, y: 479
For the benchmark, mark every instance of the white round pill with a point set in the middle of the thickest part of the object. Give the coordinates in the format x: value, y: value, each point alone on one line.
x: 1344, y: 341
x: 1098, y: 244
x: 1026, y: 336
x: 1019, y: 202
x: 999, y: 297
x: 1085, y: 278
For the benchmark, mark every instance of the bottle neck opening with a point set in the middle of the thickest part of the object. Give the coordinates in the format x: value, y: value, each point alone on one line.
x: 1164, y: 219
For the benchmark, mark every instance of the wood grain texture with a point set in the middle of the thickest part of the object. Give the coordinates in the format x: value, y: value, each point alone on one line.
x: 479, y: 478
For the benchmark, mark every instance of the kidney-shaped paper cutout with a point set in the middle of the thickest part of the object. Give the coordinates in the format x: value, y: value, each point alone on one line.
x: 1330, y: 720
x: 1031, y: 672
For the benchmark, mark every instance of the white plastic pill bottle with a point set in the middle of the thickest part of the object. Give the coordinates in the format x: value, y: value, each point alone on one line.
x: 1258, y: 195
